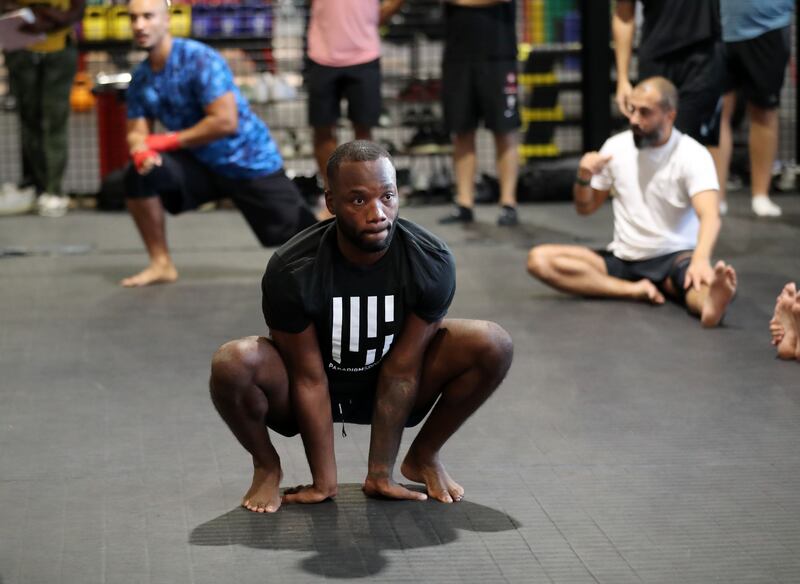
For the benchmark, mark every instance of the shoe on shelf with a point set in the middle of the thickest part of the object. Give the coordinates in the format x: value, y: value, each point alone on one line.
x: 458, y: 215
x: 52, y: 205
x: 16, y: 201
x: 423, y: 142
x: 415, y: 91
x: 385, y: 120
x: 763, y: 207
x: 508, y: 216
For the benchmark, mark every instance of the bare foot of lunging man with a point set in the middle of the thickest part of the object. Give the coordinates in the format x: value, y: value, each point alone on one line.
x: 264, y: 494
x: 720, y: 293
x: 155, y: 273
x: 433, y: 475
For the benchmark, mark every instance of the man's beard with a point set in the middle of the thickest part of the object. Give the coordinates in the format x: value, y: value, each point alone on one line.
x: 368, y: 246
x: 646, y: 139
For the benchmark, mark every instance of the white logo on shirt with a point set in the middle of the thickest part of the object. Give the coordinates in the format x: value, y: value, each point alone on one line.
x: 364, y: 349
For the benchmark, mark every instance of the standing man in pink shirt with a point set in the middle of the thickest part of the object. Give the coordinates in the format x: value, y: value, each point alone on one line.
x: 344, y: 51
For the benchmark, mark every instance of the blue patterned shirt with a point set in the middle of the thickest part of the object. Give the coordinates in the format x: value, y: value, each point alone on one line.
x: 194, y: 76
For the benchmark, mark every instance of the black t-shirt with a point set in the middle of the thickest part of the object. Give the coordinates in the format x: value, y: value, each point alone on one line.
x: 480, y: 33
x: 357, y: 311
x: 671, y: 25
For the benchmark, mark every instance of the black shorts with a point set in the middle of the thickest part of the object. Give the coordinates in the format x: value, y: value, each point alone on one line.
x: 480, y: 90
x: 657, y: 269
x: 758, y: 67
x: 271, y: 204
x: 359, y: 84
x: 354, y: 406
x: 697, y: 72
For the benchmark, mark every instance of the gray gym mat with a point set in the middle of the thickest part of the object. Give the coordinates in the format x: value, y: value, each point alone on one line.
x: 626, y: 445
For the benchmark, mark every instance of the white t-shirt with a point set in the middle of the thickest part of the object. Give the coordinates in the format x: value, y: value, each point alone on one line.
x: 652, y: 191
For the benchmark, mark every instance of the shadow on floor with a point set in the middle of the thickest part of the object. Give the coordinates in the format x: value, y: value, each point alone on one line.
x: 348, y: 535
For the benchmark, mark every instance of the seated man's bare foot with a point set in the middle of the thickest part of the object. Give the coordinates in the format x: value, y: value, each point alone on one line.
x: 647, y: 291
x: 720, y: 293
x: 155, y: 273
x: 264, y: 494
x: 432, y: 474
x: 784, y: 318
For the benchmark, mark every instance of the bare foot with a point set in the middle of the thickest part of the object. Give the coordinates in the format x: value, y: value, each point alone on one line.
x: 435, y: 478
x: 155, y: 273
x: 796, y: 317
x: 264, y: 494
x: 784, y: 319
x: 776, y: 328
x: 647, y: 291
x: 720, y: 293
x: 385, y: 488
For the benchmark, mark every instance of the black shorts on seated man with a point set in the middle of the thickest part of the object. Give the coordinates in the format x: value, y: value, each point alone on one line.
x: 356, y: 307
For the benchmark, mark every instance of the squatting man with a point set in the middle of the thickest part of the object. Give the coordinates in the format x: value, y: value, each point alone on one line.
x: 356, y: 311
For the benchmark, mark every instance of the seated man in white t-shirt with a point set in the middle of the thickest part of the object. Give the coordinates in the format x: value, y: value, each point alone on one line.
x: 666, y: 216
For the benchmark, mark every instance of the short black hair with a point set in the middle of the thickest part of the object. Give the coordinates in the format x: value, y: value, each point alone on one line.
x: 356, y: 151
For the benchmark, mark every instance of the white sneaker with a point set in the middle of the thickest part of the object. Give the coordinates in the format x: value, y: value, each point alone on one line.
x: 14, y: 201
x: 764, y: 207
x: 723, y: 208
x: 52, y: 205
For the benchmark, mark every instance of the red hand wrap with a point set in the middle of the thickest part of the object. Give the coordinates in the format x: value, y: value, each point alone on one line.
x: 142, y: 156
x: 163, y: 142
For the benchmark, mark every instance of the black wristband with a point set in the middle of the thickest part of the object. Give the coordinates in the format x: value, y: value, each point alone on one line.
x: 582, y: 181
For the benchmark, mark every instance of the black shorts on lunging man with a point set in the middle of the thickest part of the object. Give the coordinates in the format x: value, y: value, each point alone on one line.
x: 271, y: 204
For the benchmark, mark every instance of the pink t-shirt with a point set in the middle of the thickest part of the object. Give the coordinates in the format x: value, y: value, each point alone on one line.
x: 344, y: 32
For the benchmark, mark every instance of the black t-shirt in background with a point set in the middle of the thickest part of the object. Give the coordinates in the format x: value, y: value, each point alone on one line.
x: 357, y: 311
x: 672, y: 25
x: 480, y: 33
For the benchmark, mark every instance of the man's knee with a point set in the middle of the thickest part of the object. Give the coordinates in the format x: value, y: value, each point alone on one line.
x: 539, y: 261
x: 496, y: 349
x: 233, y: 367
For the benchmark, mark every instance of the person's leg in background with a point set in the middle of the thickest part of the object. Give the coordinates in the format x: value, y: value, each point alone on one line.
x: 147, y: 211
x: 723, y: 152
x: 759, y: 65
x: 24, y: 77
x: 461, y: 119
x: 499, y: 106
x: 763, y: 147
x: 57, y: 75
x: 362, y: 89
x: 324, y: 95
x: 180, y: 184
x: 465, y: 163
x: 507, y: 158
x: 324, y: 145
